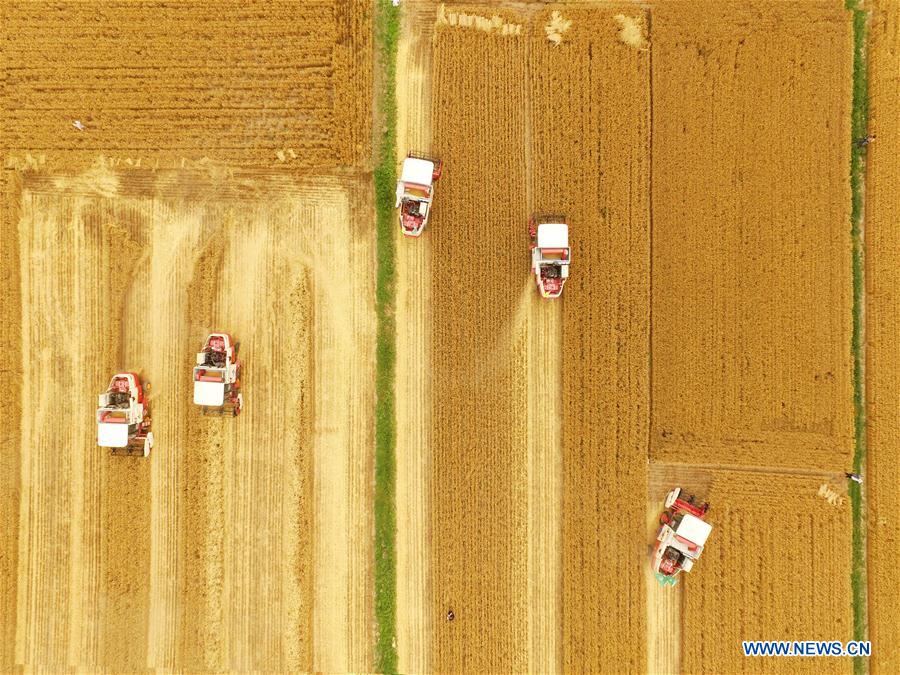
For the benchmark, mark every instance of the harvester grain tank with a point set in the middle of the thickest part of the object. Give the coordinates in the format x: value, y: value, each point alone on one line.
x: 550, y: 253
x: 123, y: 420
x: 415, y: 192
x: 682, y: 535
x: 217, y: 373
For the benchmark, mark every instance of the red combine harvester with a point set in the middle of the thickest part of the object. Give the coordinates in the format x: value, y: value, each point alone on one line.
x: 123, y: 421
x: 682, y: 535
x: 217, y: 384
x: 550, y: 254
x: 415, y: 192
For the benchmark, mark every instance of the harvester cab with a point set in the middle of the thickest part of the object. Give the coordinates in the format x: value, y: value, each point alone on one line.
x: 682, y: 535
x: 123, y: 421
x: 217, y: 384
x: 415, y: 192
x: 550, y: 254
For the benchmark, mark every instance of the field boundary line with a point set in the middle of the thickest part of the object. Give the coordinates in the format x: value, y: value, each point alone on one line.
x: 859, y: 129
x: 387, y: 31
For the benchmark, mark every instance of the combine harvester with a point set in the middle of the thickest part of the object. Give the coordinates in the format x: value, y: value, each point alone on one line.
x: 415, y: 192
x: 217, y: 384
x: 681, y: 537
x: 123, y: 421
x: 550, y: 254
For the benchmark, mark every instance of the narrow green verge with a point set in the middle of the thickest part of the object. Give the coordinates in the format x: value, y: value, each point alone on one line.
x: 387, y: 30
x: 859, y: 127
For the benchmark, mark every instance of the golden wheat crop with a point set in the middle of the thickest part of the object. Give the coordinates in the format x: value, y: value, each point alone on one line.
x: 480, y: 267
x: 776, y: 567
x: 883, y: 339
x: 590, y: 118
x: 252, y: 83
x: 751, y: 246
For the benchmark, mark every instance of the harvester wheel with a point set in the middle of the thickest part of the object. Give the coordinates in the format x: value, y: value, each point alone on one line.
x: 665, y: 518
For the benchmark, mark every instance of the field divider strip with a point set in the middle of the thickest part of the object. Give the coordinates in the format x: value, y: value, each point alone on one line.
x: 387, y: 30
x: 859, y: 130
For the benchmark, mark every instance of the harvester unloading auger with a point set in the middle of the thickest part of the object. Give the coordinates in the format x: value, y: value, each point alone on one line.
x: 681, y: 537
x: 415, y: 192
x: 217, y: 384
x: 123, y: 421
x: 550, y: 254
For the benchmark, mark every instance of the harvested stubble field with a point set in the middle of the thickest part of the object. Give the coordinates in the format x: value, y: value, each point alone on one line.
x: 205, y: 557
x: 882, y: 210
x: 211, y: 554
x: 751, y: 244
x: 414, y: 382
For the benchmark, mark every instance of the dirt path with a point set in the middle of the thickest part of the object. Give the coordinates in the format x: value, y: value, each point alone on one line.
x: 413, y: 353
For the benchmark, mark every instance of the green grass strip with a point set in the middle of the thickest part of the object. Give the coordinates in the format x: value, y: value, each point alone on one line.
x: 387, y: 30
x: 859, y: 126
